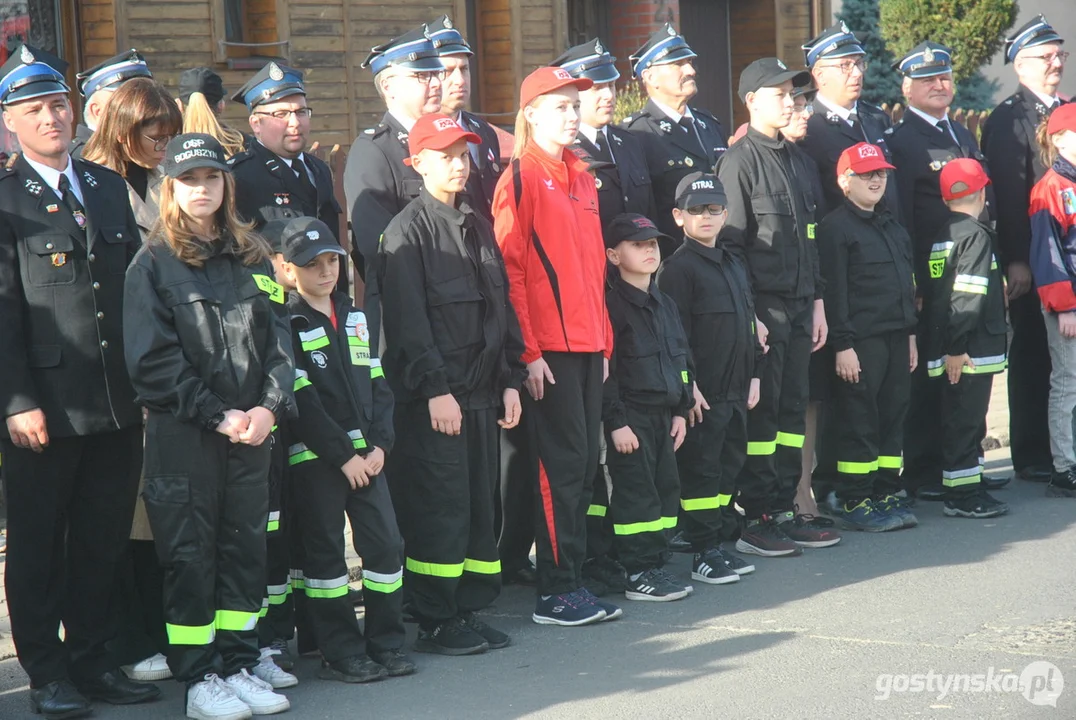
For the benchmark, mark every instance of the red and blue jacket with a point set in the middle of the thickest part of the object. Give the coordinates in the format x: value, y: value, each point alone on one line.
x: 1053, y: 237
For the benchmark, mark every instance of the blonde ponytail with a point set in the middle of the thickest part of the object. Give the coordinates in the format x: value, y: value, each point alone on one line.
x: 198, y: 117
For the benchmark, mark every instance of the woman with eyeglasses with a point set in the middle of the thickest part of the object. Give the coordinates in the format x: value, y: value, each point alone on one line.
x: 131, y: 138
x: 545, y: 212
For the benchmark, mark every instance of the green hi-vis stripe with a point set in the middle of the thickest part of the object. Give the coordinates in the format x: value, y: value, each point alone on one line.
x: 856, y: 468
x: 706, y: 503
x: 376, y: 371
x: 236, y: 620
x: 683, y: 376
x: 668, y: 522
x: 313, y: 339
x: 302, y: 457
x: 445, y: 570
x: 272, y: 526
x: 282, y: 597
x: 316, y: 344
x: 640, y: 527
x: 890, y: 462
x: 957, y: 482
x: 301, y: 382
x: 384, y: 583
x: 481, y: 567
x: 326, y: 589
x: 762, y: 448
x: 191, y: 634
x: 790, y: 440
x: 270, y: 288
x: 597, y: 510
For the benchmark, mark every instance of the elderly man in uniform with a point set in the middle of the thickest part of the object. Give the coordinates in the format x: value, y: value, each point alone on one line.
x: 921, y: 144
x: 678, y: 138
x: 72, y: 437
x: 96, y: 86
x: 1009, y: 145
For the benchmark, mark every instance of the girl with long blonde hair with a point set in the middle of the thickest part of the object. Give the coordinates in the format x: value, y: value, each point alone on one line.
x: 202, y: 98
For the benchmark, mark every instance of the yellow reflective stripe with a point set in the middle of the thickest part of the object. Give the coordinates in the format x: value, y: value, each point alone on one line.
x: 445, y: 570
x: 382, y: 582
x: 357, y: 440
x: 957, y: 482
x: 706, y: 503
x: 327, y: 588
x: 191, y: 634
x: 856, y: 468
x: 935, y: 368
x: 302, y: 379
x: 597, y: 510
x: 376, y: 371
x: 271, y: 288
x: 987, y: 366
x: 236, y: 620
x: 791, y: 440
x: 969, y: 288
x: 300, y: 454
x: 265, y: 608
x: 683, y: 376
x: 668, y: 522
x: 640, y: 527
x: 890, y: 462
x: 272, y: 526
x: 762, y: 448
x: 482, y: 567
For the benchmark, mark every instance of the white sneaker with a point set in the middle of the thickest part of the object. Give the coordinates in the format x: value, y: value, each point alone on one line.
x: 257, y: 694
x: 152, y: 668
x: 270, y: 672
x: 212, y: 699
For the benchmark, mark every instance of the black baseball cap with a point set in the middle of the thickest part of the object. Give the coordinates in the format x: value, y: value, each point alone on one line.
x: 631, y: 227
x: 769, y: 72
x: 193, y: 150
x: 304, y: 238
x: 201, y: 80
x: 273, y: 232
x: 699, y: 188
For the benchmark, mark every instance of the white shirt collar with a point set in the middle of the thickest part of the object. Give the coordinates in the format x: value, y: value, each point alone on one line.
x: 673, y: 115
x: 1045, y: 99
x: 51, y: 176
x: 929, y: 118
x: 591, y: 133
x: 843, y: 113
x: 407, y: 123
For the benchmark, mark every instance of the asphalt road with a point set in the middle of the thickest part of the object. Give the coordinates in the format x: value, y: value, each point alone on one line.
x: 855, y: 631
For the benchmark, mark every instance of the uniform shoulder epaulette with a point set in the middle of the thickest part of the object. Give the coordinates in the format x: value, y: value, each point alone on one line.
x: 870, y: 108
x: 240, y: 157
x: 95, y: 167
x: 378, y: 131
x: 6, y: 172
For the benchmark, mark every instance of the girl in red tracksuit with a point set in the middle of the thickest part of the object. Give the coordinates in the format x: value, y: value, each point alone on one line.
x: 546, y: 221
x: 1053, y: 266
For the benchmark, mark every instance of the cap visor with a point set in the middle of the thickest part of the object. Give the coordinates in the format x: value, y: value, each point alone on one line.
x: 421, y: 64
x: 680, y: 53
x: 36, y: 90
x: 602, y: 74
x: 194, y: 164
x: 305, y: 256
x: 282, y: 93
x: 871, y: 167
x: 702, y: 198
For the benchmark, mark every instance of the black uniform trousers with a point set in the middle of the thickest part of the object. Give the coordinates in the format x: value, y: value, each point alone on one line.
x: 564, y: 426
x: 776, y: 425
x: 278, y: 609
x: 922, y: 428
x: 517, y: 498
x: 646, y: 489
x: 869, y: 418
x: 599, y: 519
x: 963, y: 417
x: 207, y: 500
x: 709, y: 461
x: 69, y: 513
x: 140, y: 605
x: 1029, y: 385
x: 376, y: 538
x: 452, y: 565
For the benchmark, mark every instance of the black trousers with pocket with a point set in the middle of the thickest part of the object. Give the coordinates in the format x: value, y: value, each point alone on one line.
x: 517, y: 498
x: 963, y: 421
x: 278, y: 608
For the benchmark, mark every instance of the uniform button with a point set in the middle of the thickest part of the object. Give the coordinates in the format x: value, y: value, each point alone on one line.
x: 104, y: 344
x: 100, y: 316
x: 97, y: 286
x: 48, y: 246
x: 119, y: 236
x: 92, y: 257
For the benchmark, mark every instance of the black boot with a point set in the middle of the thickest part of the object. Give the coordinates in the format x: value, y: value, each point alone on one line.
x: 59, y: 699
x: 115, y: 688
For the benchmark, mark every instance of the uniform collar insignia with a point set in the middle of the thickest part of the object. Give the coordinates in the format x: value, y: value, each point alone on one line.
x: 401, y: 136
x: 832, y: 117
x: 90, y: 179
x: 616, y: 139
x: 665, y: 126
x: 701, y: 122
x: 33, y: 187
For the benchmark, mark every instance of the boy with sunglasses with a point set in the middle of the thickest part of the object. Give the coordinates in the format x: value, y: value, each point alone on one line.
x: 711, y: 290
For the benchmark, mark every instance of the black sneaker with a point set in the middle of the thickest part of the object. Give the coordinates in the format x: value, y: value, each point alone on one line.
x: 979, y: 505
x: 764, y: 537
x: 1062, y: 484
x: 356, y: 669
x: 710, y: 567
x: 808, y: 530
x: 736, y: 563
x: 679, y: 543
x: 493, y: 637
x: 655, y: 586
x: 451, y: 637
x: 568, y: 609
x: 282, y: 657
x: 612, y: 612
x: 604, y: 571
x: 394, y: 661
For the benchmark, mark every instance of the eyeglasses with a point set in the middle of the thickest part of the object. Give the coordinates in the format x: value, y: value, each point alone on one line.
x: 1049, y: 59
x: 714, y: 210
x: 159, y: 143
x: 872, y: 175
x: 299, y: 113
x: 807, y: 110
x: 425, y: 77
x: 846, y: 66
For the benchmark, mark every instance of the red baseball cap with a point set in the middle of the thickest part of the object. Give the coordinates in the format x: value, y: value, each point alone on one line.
x: 962, y: 177
x: 862, y: 158
x: 1063, y: 118
x: 436, y: 132
x: 546, y: 80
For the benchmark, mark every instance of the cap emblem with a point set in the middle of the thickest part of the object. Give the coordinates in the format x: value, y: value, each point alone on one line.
x: 598, y: 47
x: 928, y: 55
x: 26, y: 56
x: 702, y: 185
x: 445, y: 124
x: 275, y: 73
x: 868, y: 151
x: 844, y: 27
x: 781, y: 65
x: 313, y: 234
x: 669, y: 29
x: 562, y: 74
x: 193, y: 143
x: 448, y: 24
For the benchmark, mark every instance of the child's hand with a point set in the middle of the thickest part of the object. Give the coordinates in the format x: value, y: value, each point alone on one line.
x: 694, y: 415
x: 678, y: 432
x: 234, y: 423
x: 624, y: 440
x: 261, y: 424
x: 538, y: 374
x: 763, y: 335
x: 913, y: 354
x: 357, y: 472
x: 754, y: 394
x: 445, y: 415
x: 375, y: 461
x: 1066, y: 323
x: 848, y: 366
x: 512, y: 409
x: 954, y: 366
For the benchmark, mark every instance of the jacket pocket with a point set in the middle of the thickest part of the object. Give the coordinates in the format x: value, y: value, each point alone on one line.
x: 455, y: 312
x: 44, y: 356
x: 117, y: 240
x: 49, y: 260
x: 773, y: 213
x: 171, y: 517
x: 411, y: 188
x: 197, y: 314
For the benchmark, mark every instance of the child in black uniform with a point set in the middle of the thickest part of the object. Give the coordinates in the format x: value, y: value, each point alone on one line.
x: 645, y: 403
x: 712, y: 291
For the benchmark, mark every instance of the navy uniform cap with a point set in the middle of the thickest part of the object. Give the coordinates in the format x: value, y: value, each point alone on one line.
x: 926, y: 59
x: 411, y: 51
x: 273, y: 82
x: 590, y: 60
x: 664, y: 46
x: 835, y: 42
x: 30, y: 73
x: 447, y: 40
x: 1035, y: 32
x: 112, y: 72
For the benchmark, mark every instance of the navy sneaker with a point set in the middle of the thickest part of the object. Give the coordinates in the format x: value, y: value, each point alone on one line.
x: 868, y: 517
x: 898, y: 507
x: 612, y: 612
x: 568, y: 609
x: 654, y: 585
x: 736, y: 563
x: 980, y: 505
x: 710, y: 567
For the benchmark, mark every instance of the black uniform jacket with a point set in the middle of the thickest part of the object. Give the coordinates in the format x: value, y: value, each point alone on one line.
x: 267, y: 189
x: 61, y: 301
x: 345, y: 405
x: 651, y: 365
x: 625, y: 187
x: 712, y: 293
x: 449, y: 325
x: 867, y: 264
x: 484, y: 174
x: 828, y: 135
x: 920, y: 151
x: 202, y: 340
x: 771, y: 215
x: 1015, y: 166
x: 673, y: 151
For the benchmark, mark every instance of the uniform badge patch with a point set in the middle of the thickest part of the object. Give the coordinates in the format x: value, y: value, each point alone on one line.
x: 665, y: 126
x: 59, y: 259
x: 1068, y: 201
x: 79, y: 218
x: 937, y: 268
x: 33, y: 186
x: 598, y: 183
x: 282, y: 199
x: 90, y: 179
x: 319, y: 359
x: 52, y: 208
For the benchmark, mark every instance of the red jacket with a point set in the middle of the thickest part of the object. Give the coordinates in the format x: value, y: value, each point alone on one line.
x: 1053, y: 237
x: 553, y: 250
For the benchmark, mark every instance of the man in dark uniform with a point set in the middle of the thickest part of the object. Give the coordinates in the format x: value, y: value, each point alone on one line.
x: 72, y: 439
x: 838, y: 65
x: 408, y: 73
x: 921, y: 144
x: 96, y: 86
x: 678, y: 139
x: 486, y: 168
x: 1013, y: 153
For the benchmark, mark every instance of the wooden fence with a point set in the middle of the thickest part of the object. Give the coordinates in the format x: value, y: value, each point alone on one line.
x: 971, y: 119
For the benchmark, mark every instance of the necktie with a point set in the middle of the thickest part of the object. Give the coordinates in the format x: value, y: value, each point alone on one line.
x: 78, y: 212
x: 304, y: 178
x: 602, y: 144
x: 944, y: 126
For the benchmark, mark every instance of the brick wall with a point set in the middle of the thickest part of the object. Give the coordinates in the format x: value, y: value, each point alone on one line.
x: 633, y: 21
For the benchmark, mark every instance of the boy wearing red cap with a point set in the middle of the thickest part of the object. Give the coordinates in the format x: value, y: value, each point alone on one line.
x: 966, y: 335
x: 866, y: 261
x: 452, y: 359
